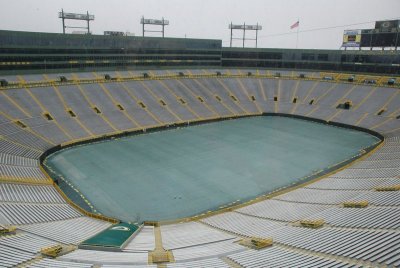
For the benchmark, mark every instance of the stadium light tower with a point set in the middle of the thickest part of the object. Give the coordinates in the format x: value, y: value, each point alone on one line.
x: 244, y: 28
x: 74, y: 16
x: 161, y: 22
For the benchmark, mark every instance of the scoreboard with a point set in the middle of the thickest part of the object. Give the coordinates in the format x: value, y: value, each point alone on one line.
x: 385, y: 34
x: 352, y: 38
x: 387, y: 25
x: 377, y: 38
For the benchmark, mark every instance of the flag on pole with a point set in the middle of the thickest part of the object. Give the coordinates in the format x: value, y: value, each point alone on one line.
x: 296, y: 24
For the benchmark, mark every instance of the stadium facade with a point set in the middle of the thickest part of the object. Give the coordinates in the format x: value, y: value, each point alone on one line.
x: 52, y: 52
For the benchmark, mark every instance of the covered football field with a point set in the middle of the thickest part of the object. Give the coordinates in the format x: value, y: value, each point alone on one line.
x: 186, y: 171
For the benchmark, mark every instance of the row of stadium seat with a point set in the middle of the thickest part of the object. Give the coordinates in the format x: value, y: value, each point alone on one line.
x: 44, y: 218
x: 82, y: 100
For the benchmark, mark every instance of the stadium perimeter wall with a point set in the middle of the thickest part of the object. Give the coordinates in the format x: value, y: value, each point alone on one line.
x: 36, y: 52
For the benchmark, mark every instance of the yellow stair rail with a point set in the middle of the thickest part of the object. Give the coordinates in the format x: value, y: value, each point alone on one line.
x: 256, y: 242
x: 312, y: 223
x: 52, y: 251
x: 356, y: 204
x: 388, y: 188
x: 7, y: 230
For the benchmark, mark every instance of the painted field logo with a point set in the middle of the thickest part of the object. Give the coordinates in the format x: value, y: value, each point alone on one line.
x: 120, y: 228
x: 113, y: 237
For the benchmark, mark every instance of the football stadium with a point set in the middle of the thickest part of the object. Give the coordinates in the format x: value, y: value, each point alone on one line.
x: 137, y: 151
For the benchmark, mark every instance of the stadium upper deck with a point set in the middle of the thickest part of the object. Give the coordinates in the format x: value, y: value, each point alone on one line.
x: 22, y: 52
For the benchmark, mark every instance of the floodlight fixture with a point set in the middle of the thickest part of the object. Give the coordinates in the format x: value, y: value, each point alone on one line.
x: 243, y: 27
x: 75, y: 16
x: 161, y: 23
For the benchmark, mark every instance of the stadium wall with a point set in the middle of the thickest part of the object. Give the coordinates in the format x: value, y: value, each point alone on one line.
x: 35, y: 52
x: 360, y: 61
x: 51, y: 52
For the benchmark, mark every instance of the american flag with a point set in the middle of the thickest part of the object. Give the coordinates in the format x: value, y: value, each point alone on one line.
x: 296, y: 24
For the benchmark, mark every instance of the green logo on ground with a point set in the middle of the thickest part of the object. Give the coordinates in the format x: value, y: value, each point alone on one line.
x: 120, y: 228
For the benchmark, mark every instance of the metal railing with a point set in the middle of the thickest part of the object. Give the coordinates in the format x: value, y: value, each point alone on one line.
x: 327, y: 77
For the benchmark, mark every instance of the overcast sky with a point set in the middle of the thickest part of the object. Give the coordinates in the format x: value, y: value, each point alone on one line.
x: 209, y: 18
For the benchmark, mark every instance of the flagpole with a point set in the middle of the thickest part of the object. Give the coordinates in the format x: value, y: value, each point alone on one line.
x: 297, y: 35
